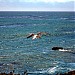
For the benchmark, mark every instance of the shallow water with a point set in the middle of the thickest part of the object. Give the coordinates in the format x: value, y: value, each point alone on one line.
x: 36, y: 56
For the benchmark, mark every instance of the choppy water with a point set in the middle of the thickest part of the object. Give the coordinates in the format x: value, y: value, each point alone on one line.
x: 36, y: 56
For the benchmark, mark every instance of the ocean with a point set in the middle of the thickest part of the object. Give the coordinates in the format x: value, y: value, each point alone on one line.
x: 36, y: 56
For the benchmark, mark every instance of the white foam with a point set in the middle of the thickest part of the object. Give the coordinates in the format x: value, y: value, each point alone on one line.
x: 48, y: 71
x: 64, y: 50
x: 52, y: 70
x: 36, y: 72
x: 34, y: 37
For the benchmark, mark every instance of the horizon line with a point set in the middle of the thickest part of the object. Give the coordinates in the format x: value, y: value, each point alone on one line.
x: 36, y: 11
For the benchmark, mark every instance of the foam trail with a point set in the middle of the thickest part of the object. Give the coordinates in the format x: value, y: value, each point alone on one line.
x: 64, y: 50
x: 37, y: 72
x: 52, y: 70
x: 48, y: 71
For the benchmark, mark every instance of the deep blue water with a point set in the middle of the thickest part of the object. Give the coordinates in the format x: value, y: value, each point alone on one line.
x: 36, y: 56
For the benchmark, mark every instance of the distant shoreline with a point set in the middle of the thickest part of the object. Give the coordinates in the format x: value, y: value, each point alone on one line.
x: 37, y: 11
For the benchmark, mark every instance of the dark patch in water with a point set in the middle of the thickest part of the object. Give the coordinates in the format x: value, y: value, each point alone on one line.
x: 16, y: 63
x: 1, y: 64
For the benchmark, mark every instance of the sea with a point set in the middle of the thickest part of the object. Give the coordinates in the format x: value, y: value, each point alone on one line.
x: 36, y: 57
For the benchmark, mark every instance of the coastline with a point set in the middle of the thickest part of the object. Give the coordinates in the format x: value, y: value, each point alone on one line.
x: 25, y: 73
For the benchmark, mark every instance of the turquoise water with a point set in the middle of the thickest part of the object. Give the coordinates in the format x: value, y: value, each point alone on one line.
x: 36, y: 56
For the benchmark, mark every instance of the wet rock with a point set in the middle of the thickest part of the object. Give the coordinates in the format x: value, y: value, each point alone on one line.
x: 25, y: 73
x: 71, y: 73
x: 11, y: 73
x: 68, y: 73
x: 57, y: 48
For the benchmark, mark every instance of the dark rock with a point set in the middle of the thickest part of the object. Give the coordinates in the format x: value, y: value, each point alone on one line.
x: 68, y: 73
x: 11, y: 73
x: 71, y: 72
x: 25, y: 72
x: 57, y: 48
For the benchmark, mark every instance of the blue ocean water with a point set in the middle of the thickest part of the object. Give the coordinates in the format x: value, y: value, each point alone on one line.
x: 36, y: 56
